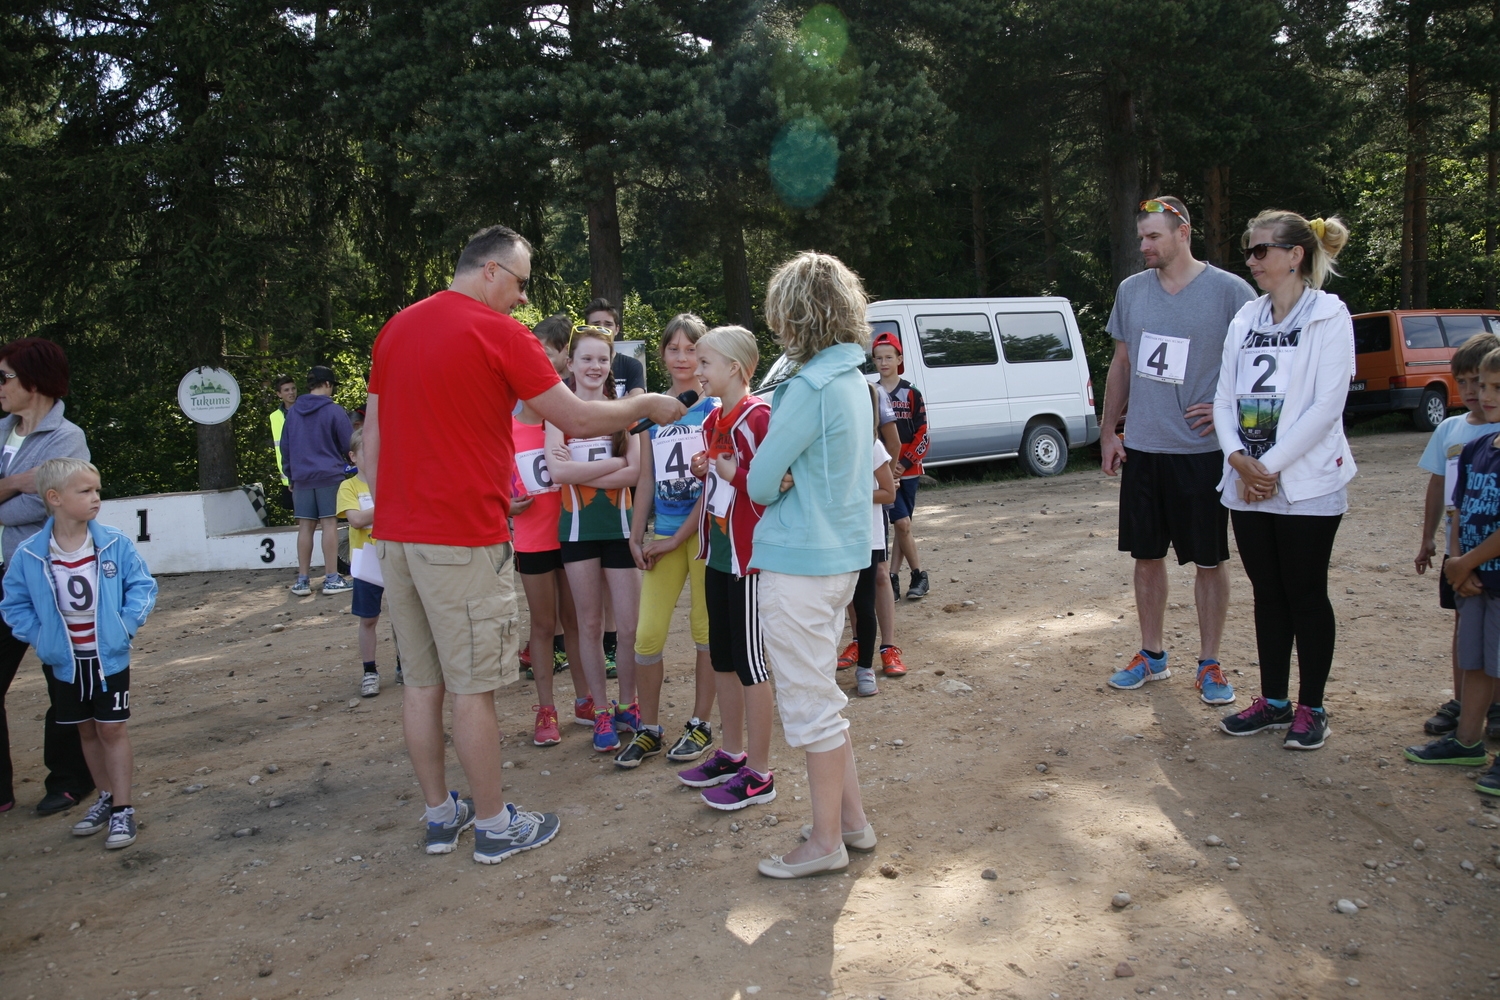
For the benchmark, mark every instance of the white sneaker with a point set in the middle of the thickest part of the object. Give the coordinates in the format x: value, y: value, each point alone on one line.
x: 369, y: 685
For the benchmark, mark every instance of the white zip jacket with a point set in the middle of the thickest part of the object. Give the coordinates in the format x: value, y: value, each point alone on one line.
x: 1311, y: 453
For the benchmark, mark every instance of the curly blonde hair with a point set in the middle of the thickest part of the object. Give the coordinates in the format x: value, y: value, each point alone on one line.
x: 813, y: 302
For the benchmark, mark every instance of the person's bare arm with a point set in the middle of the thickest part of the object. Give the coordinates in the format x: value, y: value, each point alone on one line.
x: 645, y: 499
x: 886, y: 493
x: 597, y: 417
x: 1116, y: 395
x: 1432, y: 514
x: 1460, y: 569
x: 358, y: 517
x: 371, y: 441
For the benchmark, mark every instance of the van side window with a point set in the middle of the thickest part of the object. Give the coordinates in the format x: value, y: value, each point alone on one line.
x: 1372, y: 334
x: 1034, y: 336
x: 1421, y: 331
x: 877, y: 327
x: 1458, y: 329
x: 951, y: 341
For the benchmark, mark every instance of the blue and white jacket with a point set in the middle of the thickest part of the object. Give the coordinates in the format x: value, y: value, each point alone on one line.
x: 127, y: 593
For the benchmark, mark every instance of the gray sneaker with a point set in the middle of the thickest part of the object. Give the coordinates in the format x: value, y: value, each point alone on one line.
x: 864, y: 679
x: 121, y: 830
x: 442, y: 838
x: 301, y: 588
x: 369, y: 685
x: 96, y: 819
x: 526, y: 831
x: 336, y: 584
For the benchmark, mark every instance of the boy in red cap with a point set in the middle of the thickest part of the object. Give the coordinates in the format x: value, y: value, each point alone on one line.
x: 911, y: 426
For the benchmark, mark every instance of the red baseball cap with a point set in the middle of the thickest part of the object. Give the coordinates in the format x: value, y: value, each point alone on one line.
x: 889, y: 339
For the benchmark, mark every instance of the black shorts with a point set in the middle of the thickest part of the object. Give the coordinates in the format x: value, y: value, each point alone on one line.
x: 1445, y: 589
x: 538, y: 563
x: 612, y: 553
x: 734, y: 641
x: 366, y: 602
x: 1173, y: 500
x: 89, y: 695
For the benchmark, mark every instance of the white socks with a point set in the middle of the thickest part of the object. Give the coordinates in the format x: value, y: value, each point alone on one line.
x: 497, y: 823
x: 445, y: 813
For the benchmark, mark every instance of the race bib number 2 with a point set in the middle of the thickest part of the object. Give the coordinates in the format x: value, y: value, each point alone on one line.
x: 1162, y: 359
x: 717, y: 494
x: 1262, y: 371
x: 531, y: 466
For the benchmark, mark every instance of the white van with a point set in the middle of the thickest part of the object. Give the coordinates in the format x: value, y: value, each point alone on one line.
x: 1001, y: 377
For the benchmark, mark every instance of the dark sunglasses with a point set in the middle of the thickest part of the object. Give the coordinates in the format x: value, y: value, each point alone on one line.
x: 7, y: 376
x: 521, y: 282
x: 1260, y: 250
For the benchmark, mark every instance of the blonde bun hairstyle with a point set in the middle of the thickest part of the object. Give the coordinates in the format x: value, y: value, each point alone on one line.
x: 1321, y: 240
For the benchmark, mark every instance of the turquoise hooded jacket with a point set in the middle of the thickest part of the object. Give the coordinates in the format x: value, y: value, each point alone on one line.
x: 822, y: 426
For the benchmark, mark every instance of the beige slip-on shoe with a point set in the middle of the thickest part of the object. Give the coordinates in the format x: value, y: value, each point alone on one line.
x: 855, y: 840
x: 776, y: 867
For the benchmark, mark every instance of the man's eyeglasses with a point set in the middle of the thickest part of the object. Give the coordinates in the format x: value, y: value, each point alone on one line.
x: 1260, y: 250
x: 521, y: 282
x: 1161, y: 206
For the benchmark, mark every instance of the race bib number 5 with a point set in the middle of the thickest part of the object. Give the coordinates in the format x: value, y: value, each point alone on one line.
x: 589, y: 449
x: 1162, y: 359
x: 672, y: 448
x: 531, y: 466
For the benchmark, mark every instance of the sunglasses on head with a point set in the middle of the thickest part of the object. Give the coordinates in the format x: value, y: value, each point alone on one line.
x: 1260, y: 250
x: 1160, y: 206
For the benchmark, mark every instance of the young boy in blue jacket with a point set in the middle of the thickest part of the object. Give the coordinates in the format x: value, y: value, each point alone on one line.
x: 78, y: 591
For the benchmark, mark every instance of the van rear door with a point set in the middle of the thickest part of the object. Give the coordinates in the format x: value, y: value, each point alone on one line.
x: 963, y: 382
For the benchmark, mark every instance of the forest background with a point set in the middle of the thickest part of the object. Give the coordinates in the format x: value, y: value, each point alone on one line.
x: 259, y: 185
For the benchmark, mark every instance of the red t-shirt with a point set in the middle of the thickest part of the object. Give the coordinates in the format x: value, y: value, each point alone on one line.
x: 448, y: 371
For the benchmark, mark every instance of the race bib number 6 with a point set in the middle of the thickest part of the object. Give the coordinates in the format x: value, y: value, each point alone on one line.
x: 531, y: 466
x: 1162, y: 359
x: 672, y: 448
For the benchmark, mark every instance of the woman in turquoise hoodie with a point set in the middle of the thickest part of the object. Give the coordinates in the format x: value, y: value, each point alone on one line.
x: 812, y: 472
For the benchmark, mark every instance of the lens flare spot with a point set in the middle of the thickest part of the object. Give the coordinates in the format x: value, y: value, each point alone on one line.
x: 804, y: 162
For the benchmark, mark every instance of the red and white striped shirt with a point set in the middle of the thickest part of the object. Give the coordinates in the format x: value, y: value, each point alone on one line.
x: 76, y: 577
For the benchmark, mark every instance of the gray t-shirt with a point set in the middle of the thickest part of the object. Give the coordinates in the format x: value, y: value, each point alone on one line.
x: 1176, y: 343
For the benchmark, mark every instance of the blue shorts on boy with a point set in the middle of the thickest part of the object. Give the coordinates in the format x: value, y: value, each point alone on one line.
x: 367, y: 597
x: 1479, y: 632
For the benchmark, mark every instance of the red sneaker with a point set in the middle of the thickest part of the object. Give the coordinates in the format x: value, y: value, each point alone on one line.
x: 583, y: 711
x: 546, y: 733
x: 890, y: 661
x: 850, y: 656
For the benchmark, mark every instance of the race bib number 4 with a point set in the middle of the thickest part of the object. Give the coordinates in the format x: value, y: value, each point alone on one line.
x: 717, y: 494
x: 589, y: 449
x: 1262, y: 371
x: 531, y: 466
x: 1162, y: 359
x: 672, y: 449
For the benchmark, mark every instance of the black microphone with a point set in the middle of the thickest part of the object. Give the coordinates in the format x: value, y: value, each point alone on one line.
x: 686, y: 399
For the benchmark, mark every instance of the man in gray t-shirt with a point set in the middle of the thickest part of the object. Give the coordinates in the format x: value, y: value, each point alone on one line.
x: 1169, y: 324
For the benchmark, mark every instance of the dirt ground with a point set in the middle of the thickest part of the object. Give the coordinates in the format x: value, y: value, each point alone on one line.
x: 1010, y: 811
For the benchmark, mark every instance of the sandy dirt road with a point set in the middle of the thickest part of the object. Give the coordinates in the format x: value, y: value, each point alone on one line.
x: 1066, y: 791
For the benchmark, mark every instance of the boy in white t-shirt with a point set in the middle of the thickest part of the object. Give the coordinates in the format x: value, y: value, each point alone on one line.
x: 1439, y: 458
x: 78, y: 591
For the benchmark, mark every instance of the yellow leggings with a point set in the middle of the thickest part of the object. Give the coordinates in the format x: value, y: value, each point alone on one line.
x: 660, y: 588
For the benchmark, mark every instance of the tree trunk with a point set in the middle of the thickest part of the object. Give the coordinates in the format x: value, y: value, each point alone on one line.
x: 981, y: 247
x: 1049, y: 222
x: 1122, y: 178
x: 1216, y: 215
x: 606, y: 266
x: 1491, y: 207
x: 216, y: 457
x: 737, y: 300
x: 1414, y: 223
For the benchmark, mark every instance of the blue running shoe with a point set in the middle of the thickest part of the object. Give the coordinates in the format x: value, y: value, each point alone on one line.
x: 442, y: 838
x: 605, y: 739
x: 527, y: 830
x: 1212, y: 687
x: 627, y: 717
x: 1140, y: 670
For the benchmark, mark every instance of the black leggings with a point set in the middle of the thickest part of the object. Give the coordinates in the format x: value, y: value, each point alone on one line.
x: 864, y: 615
x: 1286, y: 557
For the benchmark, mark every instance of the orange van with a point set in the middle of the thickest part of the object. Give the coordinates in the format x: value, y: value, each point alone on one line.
x: 1401, y: 361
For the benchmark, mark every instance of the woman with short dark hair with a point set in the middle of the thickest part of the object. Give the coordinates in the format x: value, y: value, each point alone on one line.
x: 33, y: 380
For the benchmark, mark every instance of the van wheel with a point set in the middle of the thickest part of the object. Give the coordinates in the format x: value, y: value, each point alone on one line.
x: 1431, y: 410
x: 1044, y: 452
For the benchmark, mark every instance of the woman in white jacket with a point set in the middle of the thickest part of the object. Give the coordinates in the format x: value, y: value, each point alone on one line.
x: 1278, y: 412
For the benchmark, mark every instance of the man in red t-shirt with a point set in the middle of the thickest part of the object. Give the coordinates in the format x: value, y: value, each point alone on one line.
x: 446, y: 375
